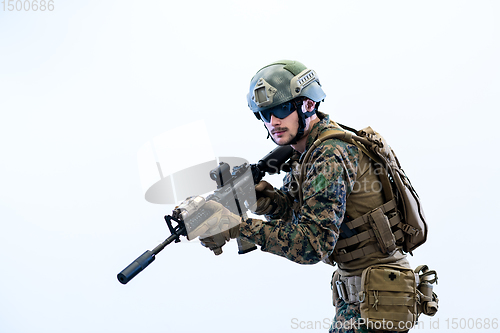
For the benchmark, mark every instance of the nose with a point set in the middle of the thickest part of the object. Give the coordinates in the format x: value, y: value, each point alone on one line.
x: 275, y: 120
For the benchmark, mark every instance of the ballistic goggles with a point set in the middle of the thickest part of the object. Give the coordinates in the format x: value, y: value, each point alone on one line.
x: 280, y: 111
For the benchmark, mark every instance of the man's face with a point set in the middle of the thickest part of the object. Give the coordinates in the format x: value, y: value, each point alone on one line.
x: 283, y: 130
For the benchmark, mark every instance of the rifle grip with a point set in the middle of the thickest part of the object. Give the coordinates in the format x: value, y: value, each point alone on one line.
x: 245, y: 246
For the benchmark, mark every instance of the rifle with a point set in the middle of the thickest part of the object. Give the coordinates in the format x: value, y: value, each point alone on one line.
x: 234, y: 190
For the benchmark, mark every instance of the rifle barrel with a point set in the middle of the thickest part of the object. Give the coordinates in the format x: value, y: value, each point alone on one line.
x: 143, y: 261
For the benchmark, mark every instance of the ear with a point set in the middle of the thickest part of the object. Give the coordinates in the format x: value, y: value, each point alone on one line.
x: 308, y: 105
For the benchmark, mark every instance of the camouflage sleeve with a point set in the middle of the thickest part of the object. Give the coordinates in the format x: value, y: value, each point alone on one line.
x: 312, y: 234
x: 284, y: 202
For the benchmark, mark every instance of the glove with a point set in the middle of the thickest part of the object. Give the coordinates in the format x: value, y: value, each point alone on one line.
x: 215, y: 242
x: 265, y: 199
x: 223, y: 226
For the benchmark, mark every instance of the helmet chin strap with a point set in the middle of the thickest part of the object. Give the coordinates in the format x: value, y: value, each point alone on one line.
x: 302, y: 126
x: 302, y: 119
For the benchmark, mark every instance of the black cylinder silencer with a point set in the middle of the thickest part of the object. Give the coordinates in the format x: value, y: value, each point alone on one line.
x: 136, y: 267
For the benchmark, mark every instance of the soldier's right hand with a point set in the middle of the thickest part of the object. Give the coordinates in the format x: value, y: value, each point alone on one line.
x: 265, y: 199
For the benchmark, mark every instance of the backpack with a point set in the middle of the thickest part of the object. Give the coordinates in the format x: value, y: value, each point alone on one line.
x: 411, y: 230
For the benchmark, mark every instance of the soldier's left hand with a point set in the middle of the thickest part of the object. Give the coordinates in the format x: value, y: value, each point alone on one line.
x: 215, y: 242
x: 224, y: 226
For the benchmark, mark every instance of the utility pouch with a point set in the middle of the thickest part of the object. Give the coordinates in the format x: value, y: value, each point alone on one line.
x: 429, y: 301
x: 388, y: 298
x: 382, y: 229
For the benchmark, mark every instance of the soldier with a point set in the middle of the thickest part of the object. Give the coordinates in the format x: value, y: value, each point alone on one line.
x: 308, y: 216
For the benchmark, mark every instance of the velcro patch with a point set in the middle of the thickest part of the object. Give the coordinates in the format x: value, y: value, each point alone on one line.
x: 319, y: 183
x: 392, y: 275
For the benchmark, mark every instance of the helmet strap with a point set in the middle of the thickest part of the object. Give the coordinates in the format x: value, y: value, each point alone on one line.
x: 268, y: 134
x: 302, y: 126
x: 302, y: 119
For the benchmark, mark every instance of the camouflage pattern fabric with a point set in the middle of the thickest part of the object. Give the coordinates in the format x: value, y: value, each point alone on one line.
x: 308, y: 234
x: 347, y: 320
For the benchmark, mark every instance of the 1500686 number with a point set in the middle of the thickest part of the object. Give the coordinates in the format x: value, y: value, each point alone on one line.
x: 472, y: 323
x: 28, y: 5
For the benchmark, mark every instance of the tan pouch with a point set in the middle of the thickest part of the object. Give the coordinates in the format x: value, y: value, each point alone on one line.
x: 382, y: 230
x: 388, y: 298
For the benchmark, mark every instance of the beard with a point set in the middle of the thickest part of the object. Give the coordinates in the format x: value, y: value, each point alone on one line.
x: 285, y: 140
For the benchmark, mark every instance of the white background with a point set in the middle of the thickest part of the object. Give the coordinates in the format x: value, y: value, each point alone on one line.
x: 82, y: 87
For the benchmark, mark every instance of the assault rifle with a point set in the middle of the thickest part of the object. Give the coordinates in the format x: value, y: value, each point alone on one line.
x: 235, y: 191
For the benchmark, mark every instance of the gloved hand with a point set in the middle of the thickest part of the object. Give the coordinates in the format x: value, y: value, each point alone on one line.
x: 265, y: 199
x: 223, y: 226
x: 215, y: 242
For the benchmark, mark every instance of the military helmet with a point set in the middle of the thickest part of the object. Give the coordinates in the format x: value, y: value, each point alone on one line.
x: 280, y: 82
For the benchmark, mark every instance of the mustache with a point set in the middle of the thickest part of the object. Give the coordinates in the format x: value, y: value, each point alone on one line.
x: 279, y: 129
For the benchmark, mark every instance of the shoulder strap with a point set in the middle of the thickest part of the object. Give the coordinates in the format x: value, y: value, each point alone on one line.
x: 349, y: 138
x: 335, y: 133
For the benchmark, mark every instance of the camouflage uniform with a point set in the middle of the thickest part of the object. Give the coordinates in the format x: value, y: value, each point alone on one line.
x: 308, y: 234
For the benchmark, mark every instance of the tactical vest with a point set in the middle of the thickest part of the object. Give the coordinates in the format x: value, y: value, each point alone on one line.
x: 399, y: 222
